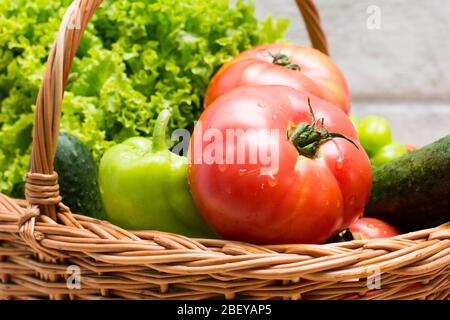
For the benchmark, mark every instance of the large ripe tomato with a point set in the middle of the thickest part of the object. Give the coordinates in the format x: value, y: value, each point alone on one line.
x: 292, y: 65
x: 313, y: 186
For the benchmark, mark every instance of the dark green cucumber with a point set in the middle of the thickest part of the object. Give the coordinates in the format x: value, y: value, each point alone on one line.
x: 78, y: 172
x: 413, y: 192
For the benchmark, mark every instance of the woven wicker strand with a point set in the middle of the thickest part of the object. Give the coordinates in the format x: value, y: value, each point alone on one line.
x: 41, y: 240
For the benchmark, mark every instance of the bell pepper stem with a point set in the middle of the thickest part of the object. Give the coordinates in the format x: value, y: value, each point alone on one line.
x: 159, y: 131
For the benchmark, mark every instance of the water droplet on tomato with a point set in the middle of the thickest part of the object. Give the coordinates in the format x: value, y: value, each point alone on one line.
x: 222, y: 167
x: 323, y: 187
x: 274, y: 117
x: 352, y: 201
x: 339, y: 162
x: 272, y: 181
x: 327, y: 203
x: 298, y: 164
x: 261, y: 105
x: 242, y: 172
x: 369, y: 225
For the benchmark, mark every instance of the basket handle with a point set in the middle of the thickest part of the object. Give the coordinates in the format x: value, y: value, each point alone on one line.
x: 41, y: 185
x: 313, y: 25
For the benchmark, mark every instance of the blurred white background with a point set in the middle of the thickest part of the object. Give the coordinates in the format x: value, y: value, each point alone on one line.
x: 400, y: 70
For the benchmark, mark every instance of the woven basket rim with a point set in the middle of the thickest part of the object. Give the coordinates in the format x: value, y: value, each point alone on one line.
x: 334, y: 270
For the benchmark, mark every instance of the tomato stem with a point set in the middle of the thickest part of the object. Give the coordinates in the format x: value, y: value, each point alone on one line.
x: 307, y: 138
x: 159, y: 131
x: 280, y: 59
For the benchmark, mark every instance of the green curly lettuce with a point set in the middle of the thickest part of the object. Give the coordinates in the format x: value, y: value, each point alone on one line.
x: 136, y: 58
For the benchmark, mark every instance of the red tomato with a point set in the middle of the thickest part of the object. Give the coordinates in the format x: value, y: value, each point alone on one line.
x: 371, y: 228
x: 299, y: 67
x: 317, y: 188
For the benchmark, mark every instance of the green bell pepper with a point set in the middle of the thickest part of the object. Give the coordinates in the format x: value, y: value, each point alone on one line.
x: 144, y: 186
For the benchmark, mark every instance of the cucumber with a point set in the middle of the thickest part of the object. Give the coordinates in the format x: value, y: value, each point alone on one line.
x: 413, y: 191
x: 78, y: 173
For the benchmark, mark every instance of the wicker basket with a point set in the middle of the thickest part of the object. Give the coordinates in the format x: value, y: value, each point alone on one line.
x: 41, y: 239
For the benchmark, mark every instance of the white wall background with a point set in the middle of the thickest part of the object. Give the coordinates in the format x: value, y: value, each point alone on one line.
x: 401, y: 71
